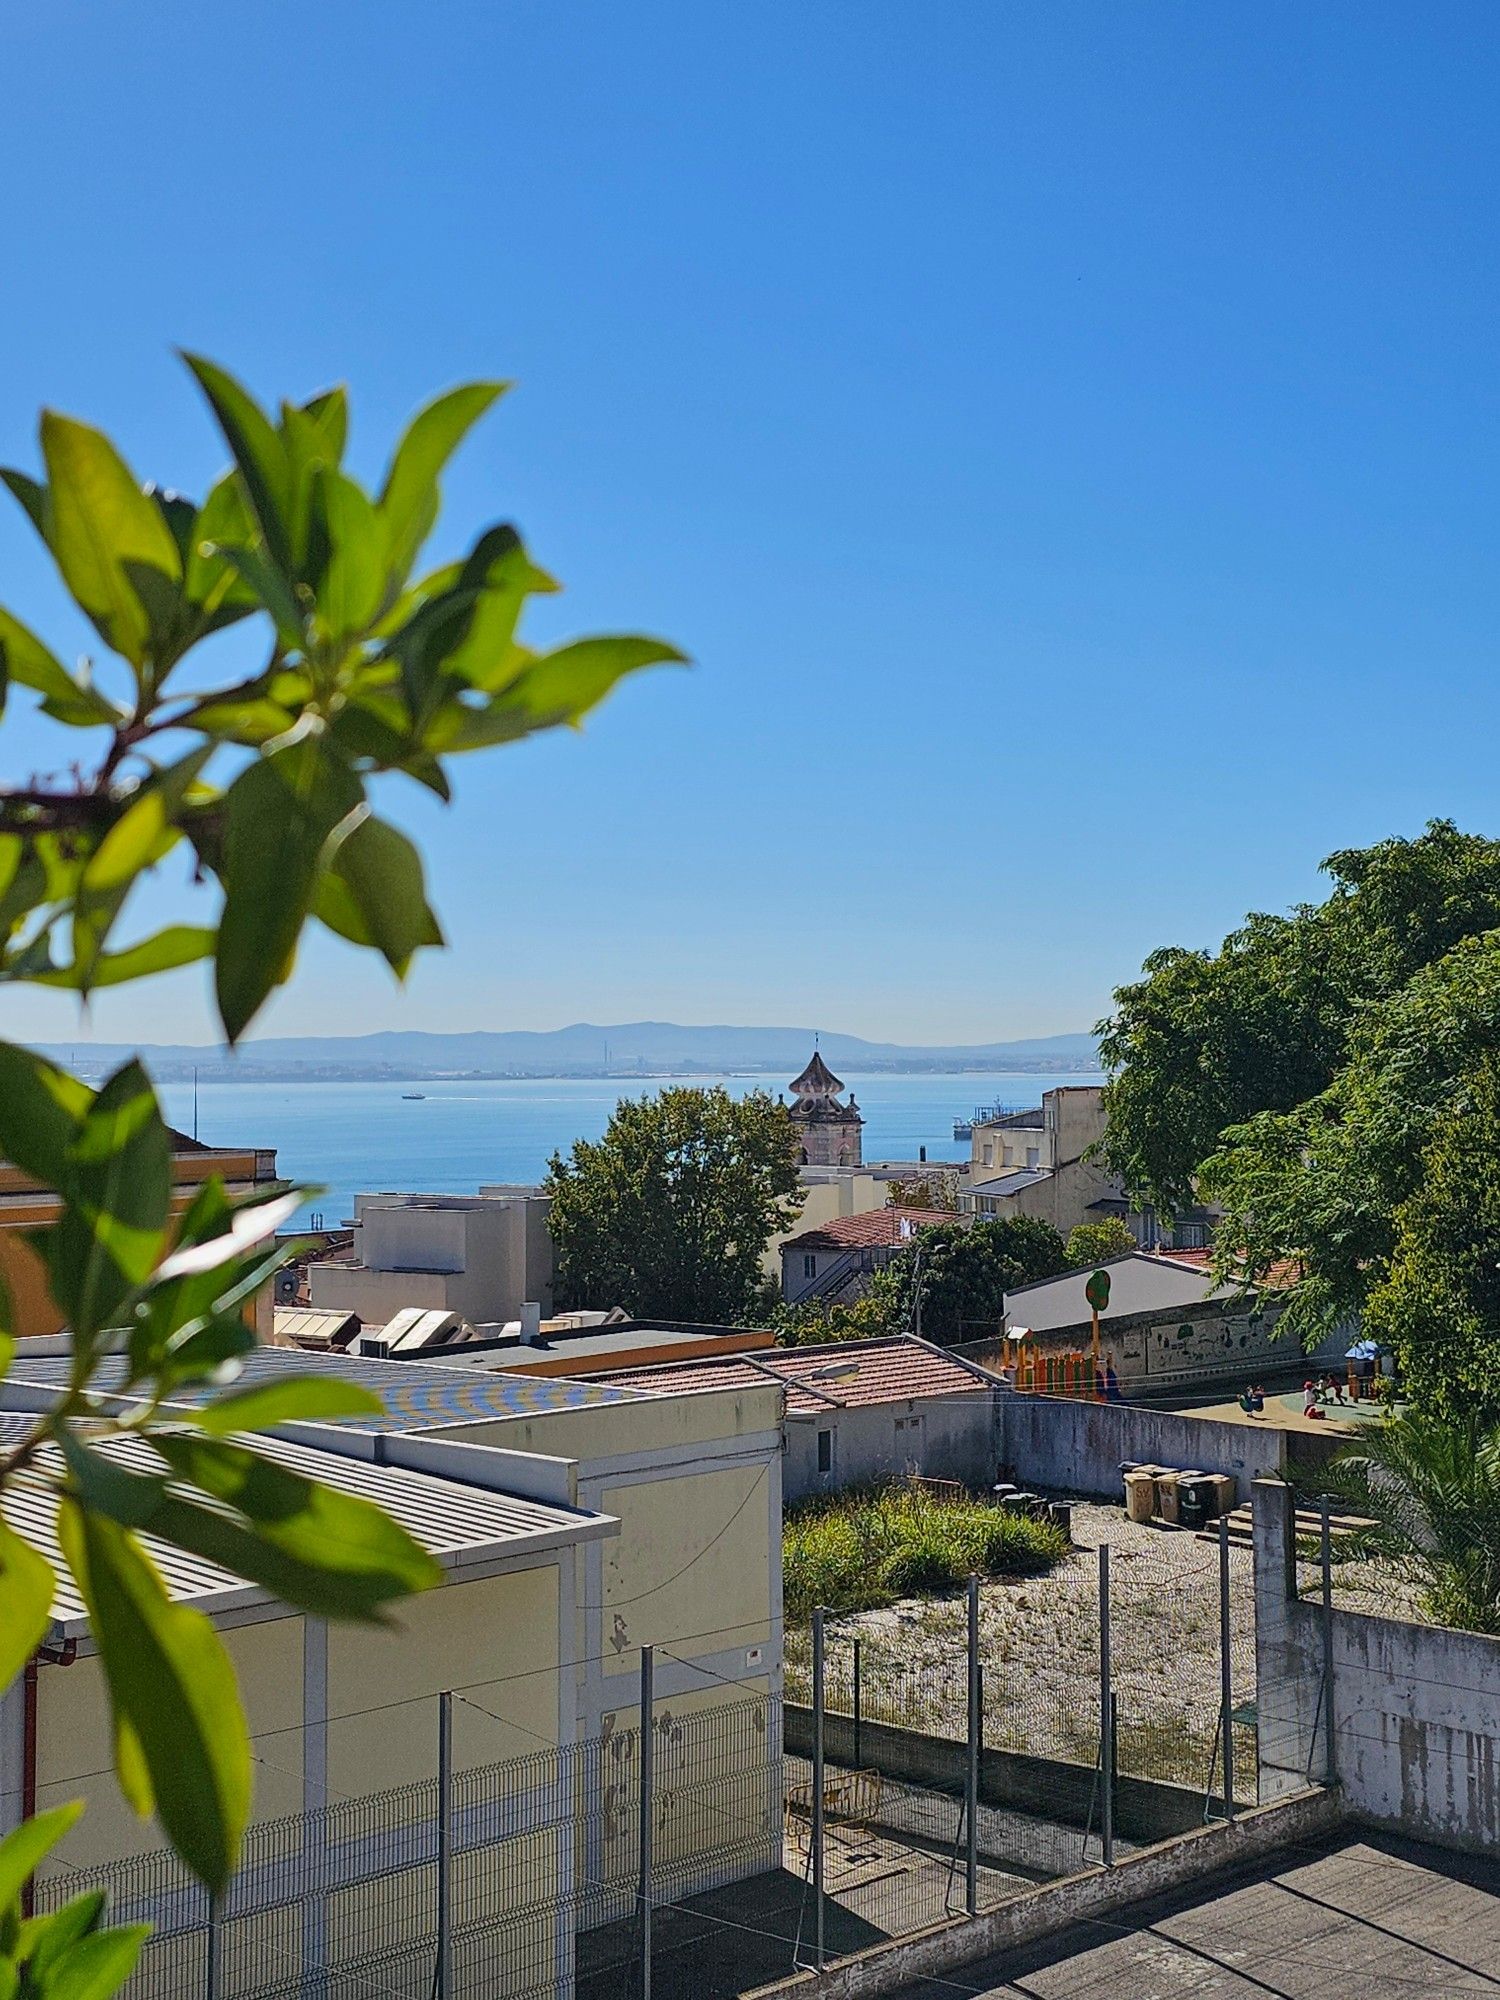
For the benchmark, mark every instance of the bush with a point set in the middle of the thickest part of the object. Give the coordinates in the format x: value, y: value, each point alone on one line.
x: 860, y: 1550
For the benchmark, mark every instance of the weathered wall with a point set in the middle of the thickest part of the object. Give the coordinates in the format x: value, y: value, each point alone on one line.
x: 942, y: 1437
x: 1145, y: 1809
x: 1057, y: 1444
x: 1416, y: 1708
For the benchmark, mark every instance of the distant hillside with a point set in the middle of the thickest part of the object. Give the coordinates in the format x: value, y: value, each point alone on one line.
x: 633, y: 1047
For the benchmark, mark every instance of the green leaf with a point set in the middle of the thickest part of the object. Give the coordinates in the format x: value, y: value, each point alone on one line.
x: 353, y: 582
x: 116, y: 1186
x: 332, y: 1550
x: 41, y: 1107
x: 172, y: 1688
x: 259, y: 452
x: 22, y: 1851
x: 43, y: 1940
x: 387, y: 907
x: 209, y: 583
x: 163, y: 951
x: 25, y: 1602
x: 144, y: 831
x: 32, y: 665
x: 270, y: 590
x: 96, y: 1967
x: 115, y: 551
x: 409, y: 498
x: 296, y: 1398
x: 558, y: 687
x: 33, y: 497
x: 279, y: 813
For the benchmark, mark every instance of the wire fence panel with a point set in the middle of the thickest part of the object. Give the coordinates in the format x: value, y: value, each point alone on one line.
x: 342, y: 1903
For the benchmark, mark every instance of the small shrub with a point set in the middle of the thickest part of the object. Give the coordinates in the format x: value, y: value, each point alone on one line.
x: 861, y: 1550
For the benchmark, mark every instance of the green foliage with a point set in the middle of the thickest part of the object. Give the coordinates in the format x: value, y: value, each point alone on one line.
x: 1437, y: 1302
x: 1097, y: 1242
x: 873, y: 1316
x: 859, y: 1550
x: 1433, y: 1485
x: 959, y: 1276
x: 926, y: 1191
x: 669, y: 1213
x: 1206, y: 1042
x: 262, y: 786
x: 1323, y: 1186
x: 67, y: 1954
x: 370, y: 670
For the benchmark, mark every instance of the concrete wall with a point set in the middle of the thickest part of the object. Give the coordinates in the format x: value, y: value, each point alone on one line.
x: 1057, y: 1444
x: 1416, y: 1708
x: 480, y: 1256
x: 941, y: 1437
x: 1145, y: 1809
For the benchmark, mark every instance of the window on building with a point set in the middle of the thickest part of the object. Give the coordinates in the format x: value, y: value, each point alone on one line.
x: 825, y: 1451
x: 809, y: 1265
x: 1190, y: 1235
x: 1008, y: 1157
x: 989, y: 1155
x: 1033, y: 1156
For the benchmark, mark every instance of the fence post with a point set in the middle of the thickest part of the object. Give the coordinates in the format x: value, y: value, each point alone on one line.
x: 445, y: 1848
x: 1330, y: 1771
x: 858, y: 1712
x: 817, y: 1788
x: 1106, y: 1718
x: 213, y: 1984
x: 648, y: 1781
x: 1226, y: 1670
x: 971, y: 1784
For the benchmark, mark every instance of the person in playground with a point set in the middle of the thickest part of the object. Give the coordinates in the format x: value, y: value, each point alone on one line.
x: 1310, y: 1404
x: 1111, y: 1381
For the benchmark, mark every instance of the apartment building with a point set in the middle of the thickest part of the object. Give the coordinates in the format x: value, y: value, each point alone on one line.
x: 478, y: 1255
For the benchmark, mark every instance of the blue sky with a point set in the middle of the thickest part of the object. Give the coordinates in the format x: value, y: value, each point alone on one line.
x: 1063, y: 436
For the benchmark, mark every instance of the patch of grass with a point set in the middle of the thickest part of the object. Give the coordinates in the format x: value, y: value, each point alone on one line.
x: 860, y: 1550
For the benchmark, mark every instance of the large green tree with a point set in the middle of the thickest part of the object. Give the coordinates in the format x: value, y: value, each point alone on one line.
x: 670, y: 1212
x: 1437, y: 1301
x: 355, y: 670
x: 1205, y: 1041
x: 1316, y: 1198
x: 952, y: 1281
x: 1096, y: 1242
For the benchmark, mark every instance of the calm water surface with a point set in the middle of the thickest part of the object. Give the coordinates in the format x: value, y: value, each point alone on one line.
x: 356, y: 1137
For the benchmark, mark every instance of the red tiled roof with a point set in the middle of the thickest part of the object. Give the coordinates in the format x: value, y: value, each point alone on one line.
x: 1282, y: 1275
x: 875, y: 1226
x: 880, y: 1371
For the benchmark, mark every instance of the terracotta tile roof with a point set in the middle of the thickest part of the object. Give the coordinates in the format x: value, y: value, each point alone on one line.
x: 880, y: 1371
x: 1282, y: 1275
x: 875, y: 1226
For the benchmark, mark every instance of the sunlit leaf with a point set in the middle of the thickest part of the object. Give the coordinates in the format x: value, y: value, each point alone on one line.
x: 115, y: 551
x: 408, y: 500
x: 173, y: 1687
x: 116, y: 1185
x: 258, y: 451
x: 25, y: 1602
x: 295, y: 1398
x: 41, y: 1106
x: 30, y: 1844
x: 382, y: 873
x: 353, y: 581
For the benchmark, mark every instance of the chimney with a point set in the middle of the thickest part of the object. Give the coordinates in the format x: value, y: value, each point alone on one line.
x: 531, y: 1322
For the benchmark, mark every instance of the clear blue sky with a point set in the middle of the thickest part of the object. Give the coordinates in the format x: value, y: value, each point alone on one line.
x: 1063, y: 435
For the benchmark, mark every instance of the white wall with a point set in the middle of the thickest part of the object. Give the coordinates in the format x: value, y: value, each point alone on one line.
x: 941, y: 1437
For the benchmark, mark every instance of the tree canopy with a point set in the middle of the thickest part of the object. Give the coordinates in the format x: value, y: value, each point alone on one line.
x: 1206, y: 1041
x: 1351, y: 1196
x: 1096, y: 1242
x: 670, y: 1212
x: 963, y: 1274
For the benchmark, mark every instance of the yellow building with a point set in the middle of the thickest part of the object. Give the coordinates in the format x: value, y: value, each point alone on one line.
x: 577, y: 1523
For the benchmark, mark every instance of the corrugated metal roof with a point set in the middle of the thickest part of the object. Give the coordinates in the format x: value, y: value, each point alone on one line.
x: 897, y: 1370
x: 1023, y: 1177
x: 417, y: 1395
x: 460, y: 1525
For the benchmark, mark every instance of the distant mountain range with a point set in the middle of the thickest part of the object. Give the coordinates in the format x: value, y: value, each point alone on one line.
x: 632, y: 1048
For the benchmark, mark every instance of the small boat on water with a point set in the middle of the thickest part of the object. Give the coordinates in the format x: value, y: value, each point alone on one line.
x: 414, y: 1096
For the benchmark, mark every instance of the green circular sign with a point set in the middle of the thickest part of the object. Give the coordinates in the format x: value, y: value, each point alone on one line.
x: 1096, y: 1291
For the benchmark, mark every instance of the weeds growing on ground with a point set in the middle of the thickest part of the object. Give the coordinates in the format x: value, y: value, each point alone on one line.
x: 860, y: 1550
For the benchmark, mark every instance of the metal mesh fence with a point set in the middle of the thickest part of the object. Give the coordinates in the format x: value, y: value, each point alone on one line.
x: 542, y: 1851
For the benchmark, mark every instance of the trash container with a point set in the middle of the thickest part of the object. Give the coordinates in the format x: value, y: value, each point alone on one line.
x: 1194, y: 1493
x: 1167, y: 1497
x: 1060, y: 1514
x: 1140, y: 1496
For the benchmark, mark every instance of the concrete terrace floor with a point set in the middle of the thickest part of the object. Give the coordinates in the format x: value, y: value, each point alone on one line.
x: 1363, y: 1916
